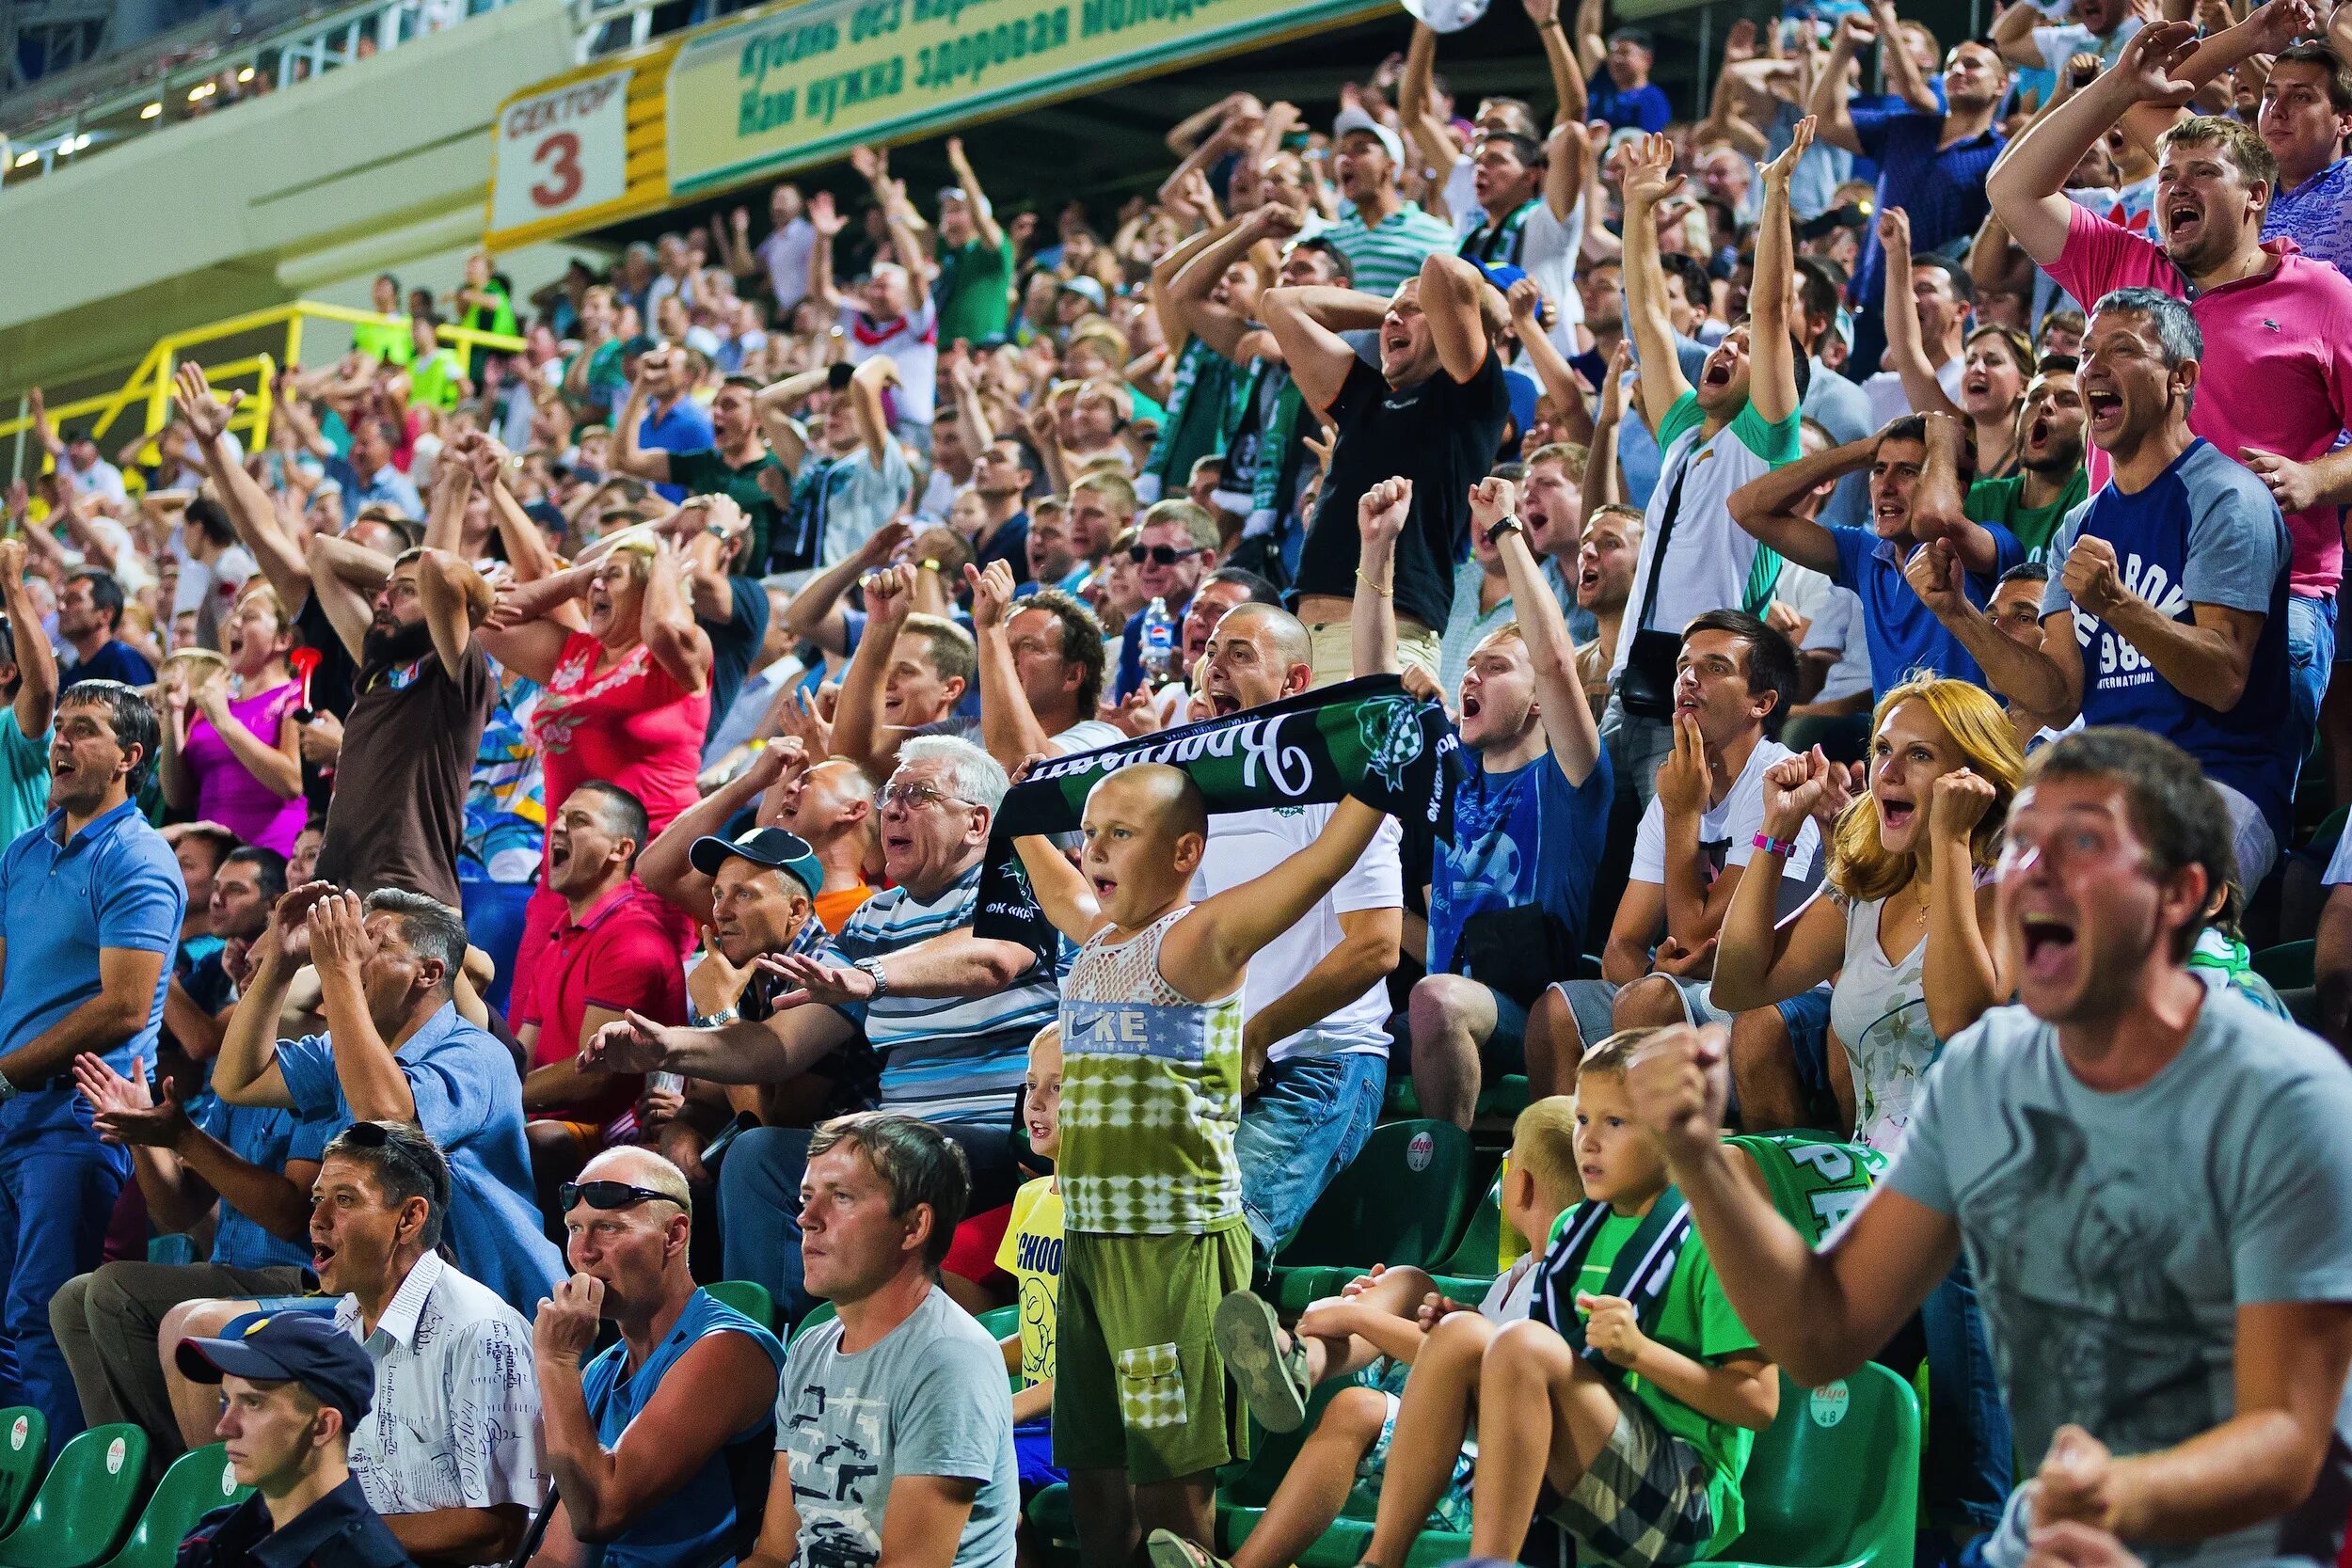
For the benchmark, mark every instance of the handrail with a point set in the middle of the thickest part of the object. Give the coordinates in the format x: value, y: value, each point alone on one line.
x: 150, y: 382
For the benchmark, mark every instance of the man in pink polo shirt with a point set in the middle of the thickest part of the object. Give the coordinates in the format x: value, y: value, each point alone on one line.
x: 2276, y: 387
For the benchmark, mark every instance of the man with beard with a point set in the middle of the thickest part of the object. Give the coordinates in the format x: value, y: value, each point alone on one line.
x: 89, y: 916
x: 737, y: 465
x: 2149, y: 1178
x: 2275, y: 379
x: 425, y: 691
x: 1932, y: 166
x: 613, y: 953
x: 2050, y: 483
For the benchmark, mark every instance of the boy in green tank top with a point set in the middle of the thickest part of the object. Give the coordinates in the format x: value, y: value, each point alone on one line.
x: 1626, y: 1407
x: 1153, y: 1234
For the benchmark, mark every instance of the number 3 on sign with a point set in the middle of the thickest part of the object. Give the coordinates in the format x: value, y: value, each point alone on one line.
x: 560, y: 156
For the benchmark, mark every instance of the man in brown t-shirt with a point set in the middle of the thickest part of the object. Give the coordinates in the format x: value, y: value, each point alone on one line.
x: 422, y: 693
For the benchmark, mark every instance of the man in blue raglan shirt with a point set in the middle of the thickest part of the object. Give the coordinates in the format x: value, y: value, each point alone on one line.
x: 2170, y: 612
x: 91, y: 903
x: 396, y: 1049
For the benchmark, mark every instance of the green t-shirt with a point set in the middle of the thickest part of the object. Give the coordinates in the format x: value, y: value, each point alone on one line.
x: 1695, y: 1318
x: 705, y: 473
x: 386, y: 340
x: 23, y: 778
x: 1815, y: 1183
x: 978, y: 298
x: 2000, y: 501
x: 438, y: 383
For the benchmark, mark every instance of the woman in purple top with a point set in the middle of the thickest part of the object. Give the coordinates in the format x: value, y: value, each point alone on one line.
x: 230, y: 752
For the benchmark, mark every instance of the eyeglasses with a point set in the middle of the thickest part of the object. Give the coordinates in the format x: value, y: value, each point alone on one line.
x: 380, y: 1135
x: 607, y: 1196
x: 914, y: 797
x: 1161, y: 555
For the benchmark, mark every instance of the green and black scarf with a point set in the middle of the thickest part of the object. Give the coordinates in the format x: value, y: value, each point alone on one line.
x: 1364, y: 737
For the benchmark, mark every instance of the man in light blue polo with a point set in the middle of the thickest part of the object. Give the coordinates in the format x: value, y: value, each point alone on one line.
x: 91, y: 903
x: 397, y: 1050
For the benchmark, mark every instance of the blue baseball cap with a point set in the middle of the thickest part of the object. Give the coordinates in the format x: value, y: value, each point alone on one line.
x: 290, y: 1347
x: 774, y: 847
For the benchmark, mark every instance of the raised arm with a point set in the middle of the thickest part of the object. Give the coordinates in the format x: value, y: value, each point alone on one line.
x: 36, y: 666
x: 1452, y: 297
x: 983, y: 215
x: 365, y: 1068
x: 815, y: 613
x: 1827, y: 102
x: 1604, y: 481
x: 1205, y: 954
x: 1009, y: 725
x: 1306, y: 323
x: 247, y: 1071
x: 1904, y: 78
x: 444, y: 585
x: 677, y: 642
x: 1060, y: 890
x: 1650, y: 178
x: 1528, y: 308
x: 1380, y: 515
x: 1163, y: 273
x: 1939, y: 506
x: 43, y: 431
x: 2013, y: 35
x: 774, y: 404
x: 1570, y: 101
x: 1905, y: 351
x: 829, y: 224
x: 1771, y: 351
x: 1592, y: 49
x: 1766, y: 506
x: 1961, y: 973
x: 2028, y: 187
x: 1758, y: 960
x: 628, y: 456
x: 251, y: 513
x: 1568, y: 718
x: 865, y: 402
x: 857, y: 726
x: 1219, y: 326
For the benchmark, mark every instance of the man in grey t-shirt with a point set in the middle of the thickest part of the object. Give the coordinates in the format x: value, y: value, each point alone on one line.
x: 894, y: 1422
x: 2152, y: 1183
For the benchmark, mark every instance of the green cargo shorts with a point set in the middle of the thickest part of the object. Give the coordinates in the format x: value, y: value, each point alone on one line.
x: 1137, y: 1378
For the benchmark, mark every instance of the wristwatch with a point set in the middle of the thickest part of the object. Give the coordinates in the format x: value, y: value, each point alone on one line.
x: 874, y: 970
x: 1505, y: 524
x: 722, y: 1017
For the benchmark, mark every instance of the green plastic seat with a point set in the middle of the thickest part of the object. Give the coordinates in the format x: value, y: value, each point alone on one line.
x: 1402, y: 1200
x: 24, y: 1455
x: 747, y: 1297
x: 198, y: 1482
x: 85, y: 1503
x: 821, y: 1312
x: 1835, y: 1480
x: 1503, y: 1098
x: 2287, y: 966
x: 1001, y: 1320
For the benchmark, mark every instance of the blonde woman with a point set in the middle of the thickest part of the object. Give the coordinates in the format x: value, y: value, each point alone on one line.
x: 231, y: 751
x: 1905, y: 931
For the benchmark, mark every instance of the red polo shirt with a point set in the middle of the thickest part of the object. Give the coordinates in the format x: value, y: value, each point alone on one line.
x: 621, y: 956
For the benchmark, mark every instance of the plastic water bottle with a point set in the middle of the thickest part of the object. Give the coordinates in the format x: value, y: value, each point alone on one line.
x: 1158, y: 653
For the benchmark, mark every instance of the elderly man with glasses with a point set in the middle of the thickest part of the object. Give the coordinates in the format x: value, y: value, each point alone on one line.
x: 644, y: 1440
x: 950, y: 1014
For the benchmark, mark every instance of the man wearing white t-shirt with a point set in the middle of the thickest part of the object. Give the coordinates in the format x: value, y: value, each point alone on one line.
x: 785, y: 252
x: 1316, y: 1004
x: 2036, y: 36
x: 1736, y: 678
x: 892, y: 312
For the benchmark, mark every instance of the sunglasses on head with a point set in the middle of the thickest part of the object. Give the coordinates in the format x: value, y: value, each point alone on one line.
x: 1161, y: 555
x: 607, y: 1196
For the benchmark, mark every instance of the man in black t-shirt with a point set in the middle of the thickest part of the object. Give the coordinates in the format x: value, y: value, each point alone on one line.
x: 1432, y: 413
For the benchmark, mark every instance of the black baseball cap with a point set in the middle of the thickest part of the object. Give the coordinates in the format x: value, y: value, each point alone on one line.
x: 290, y: 1347
x: 774, y: 847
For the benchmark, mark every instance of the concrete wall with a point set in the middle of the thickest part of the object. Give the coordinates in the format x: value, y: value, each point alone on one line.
x: 385, y: 164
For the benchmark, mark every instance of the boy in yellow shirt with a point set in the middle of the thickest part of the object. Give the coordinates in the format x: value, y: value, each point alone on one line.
x: 1386, y: 1314
x: 1031, y: 1253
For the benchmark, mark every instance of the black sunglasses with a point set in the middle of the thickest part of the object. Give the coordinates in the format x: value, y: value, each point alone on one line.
x: 1163, y: 555
x: 607, y: 1196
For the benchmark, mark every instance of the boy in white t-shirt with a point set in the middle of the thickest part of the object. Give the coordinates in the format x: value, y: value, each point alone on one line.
x: 1369, y: 1335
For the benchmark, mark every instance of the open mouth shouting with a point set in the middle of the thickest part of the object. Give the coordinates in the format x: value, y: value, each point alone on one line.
x: 2049, y: 945
x: 1898, y: 812
x: 2183, y: 219
x: 2103, y: 406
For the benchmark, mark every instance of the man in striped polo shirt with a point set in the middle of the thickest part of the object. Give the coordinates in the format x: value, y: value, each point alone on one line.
x: 1384, y: 235
x: 950, y: 1014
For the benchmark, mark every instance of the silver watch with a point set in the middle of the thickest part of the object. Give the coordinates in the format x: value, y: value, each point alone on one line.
x: 873, y: 967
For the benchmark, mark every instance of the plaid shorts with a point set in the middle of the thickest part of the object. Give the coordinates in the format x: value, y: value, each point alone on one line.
x: 1644, y: 1503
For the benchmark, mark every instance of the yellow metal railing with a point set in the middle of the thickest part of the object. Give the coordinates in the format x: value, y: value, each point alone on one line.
x: 148, y: 388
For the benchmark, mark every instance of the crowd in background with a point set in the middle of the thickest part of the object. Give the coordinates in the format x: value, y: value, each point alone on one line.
x: 502, y: 841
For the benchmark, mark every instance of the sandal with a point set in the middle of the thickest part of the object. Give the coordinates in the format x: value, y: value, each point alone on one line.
x: 1273, y: 1380
x: 1168, y: 1549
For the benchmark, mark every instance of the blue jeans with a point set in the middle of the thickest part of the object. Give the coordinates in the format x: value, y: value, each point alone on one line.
x: 1970, y: 1461
x: 1308, y: 1118
x: 57, y: 1191
x: 494, y: 923
x: 2311, y: 659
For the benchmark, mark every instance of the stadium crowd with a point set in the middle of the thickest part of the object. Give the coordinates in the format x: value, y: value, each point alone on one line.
x: 520, y: 838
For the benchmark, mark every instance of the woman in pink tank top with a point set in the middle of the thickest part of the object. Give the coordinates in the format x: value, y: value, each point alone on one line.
x: 231, y: 750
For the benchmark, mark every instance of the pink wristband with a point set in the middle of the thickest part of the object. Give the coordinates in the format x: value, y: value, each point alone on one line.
x: 1770, y: 846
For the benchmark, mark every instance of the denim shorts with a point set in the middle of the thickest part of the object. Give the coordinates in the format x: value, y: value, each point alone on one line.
x: 1310, y: 1118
